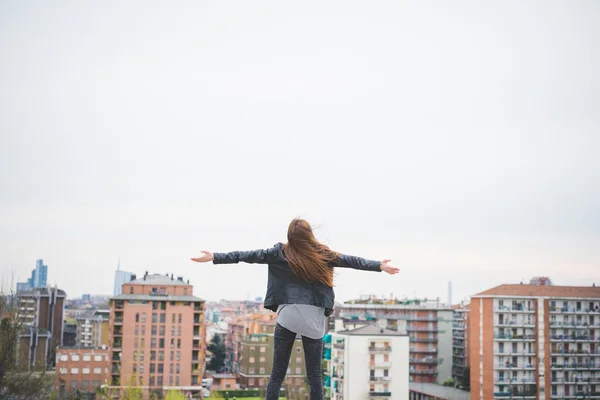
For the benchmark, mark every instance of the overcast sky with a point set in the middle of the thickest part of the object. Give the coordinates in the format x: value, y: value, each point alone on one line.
x: 460, y: 139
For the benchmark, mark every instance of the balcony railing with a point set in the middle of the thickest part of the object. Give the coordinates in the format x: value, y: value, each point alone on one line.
x: 424, y: 372
x: 380, y: 378
x: 415, y: 350
x: 380, y: 349
x: 380, y: 394
x: 499, y: 336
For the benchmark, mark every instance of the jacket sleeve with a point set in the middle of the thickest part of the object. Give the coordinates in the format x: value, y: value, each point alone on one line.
x: 347, y: 261
x: 251, y: 257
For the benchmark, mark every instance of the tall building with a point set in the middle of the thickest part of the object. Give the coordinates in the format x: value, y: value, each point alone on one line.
x: 460, y: 345
x: 157, y: 336
x: 40, y: 311
x: 366, y: 363
x: 535, y: 342
x: 93, y: 329
x: 428, y: 323
x: 39, y: 278
x: 81, y: 369
x: 122, y: 277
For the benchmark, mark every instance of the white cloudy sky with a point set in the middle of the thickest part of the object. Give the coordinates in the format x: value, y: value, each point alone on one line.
x: 460, y: 139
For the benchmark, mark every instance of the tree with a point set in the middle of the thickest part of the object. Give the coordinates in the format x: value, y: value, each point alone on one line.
x: 217, y: 349
x: 132, y: 391
x: 175, y: 395
x: 17, y: 380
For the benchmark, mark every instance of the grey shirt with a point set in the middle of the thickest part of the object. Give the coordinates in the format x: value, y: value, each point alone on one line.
x: 303, y: 319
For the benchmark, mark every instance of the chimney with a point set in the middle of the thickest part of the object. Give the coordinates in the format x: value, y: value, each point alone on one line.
x: 180, y: 278
x: 171, y: 276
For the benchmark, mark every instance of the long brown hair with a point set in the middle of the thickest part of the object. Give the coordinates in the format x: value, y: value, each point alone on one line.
x: 309, y: 259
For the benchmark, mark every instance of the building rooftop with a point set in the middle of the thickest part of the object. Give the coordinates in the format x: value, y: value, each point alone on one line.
x: 439, y: 391
x: 541, y: 291
x: 372, y: 330
x: 224, y: 376
x: 43, y: 291
x: 159, y: 279
x: 156, y: 297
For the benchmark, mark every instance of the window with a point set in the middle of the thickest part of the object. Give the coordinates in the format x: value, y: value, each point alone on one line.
x: 251, y: 381
x: 74, y: 371
x: 179, y: 319
x: 172, y: 356
x: 131, y: 290
x: 170, y: 380
x: 143, y: 330
x: 134, y: 368
x: 185, y: 291
x: 171, y: 369
x: 251, y: 370
x: 64, y: 371
x: 97, y: 371
x: 251, y: 359
x: 74, y: 384
x: 298, y: 359
x: 385, y: 372
x: 74, y: 357
x: 298, y: 370
x: 177, y: 380
x: 172, y: 343
x: 96, y: 384
x: 154, y: 317
x: 143, y: 318
x: 152, y: 368
x: 153, y: 343
x: 87, y: 358
x: 64, y: 357
x: 179, y: 330
x: 151, y: 381
x: 154, y: 330
x: 261, y: 370
x: 173, y: 328
x: 161, y: 331
x: 263, y: 349
x: 161, y: 355
x: 262, y: 359
x: 141, y: 356
x: 135, y: 343
x: 143, y: 343
x: 163, y: 318
x: 173, y: 319
x: 137, y: 330
x: 178, y: 343
x: 137, y: 317
x: 154, y: 303
x: 161, y: 343
x: 159, y: 380
x: 135, y: 355
x: 177, y: 368
x: 141, y: 369
x: 85, y: 371
x: 178, y: 355
x: 152, y: 355
x: 386, y: 358
x: 160, y: 368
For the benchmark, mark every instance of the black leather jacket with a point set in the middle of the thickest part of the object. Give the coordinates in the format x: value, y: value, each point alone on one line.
x: 284, y: 287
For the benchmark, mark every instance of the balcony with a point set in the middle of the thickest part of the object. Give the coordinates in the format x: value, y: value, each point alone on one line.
x: 117, y: 344
x: 583, y: 366
x: 415, y: 350
x: 421, y: 329
x: 379, y: 379
x: 381, y: 364
x: 518, y: 309
x: 415, y: 339
x: 425, y: 319
x: 380, y: 349
x: 423, y: 372
x: 574, y: 310
x: 514, y: 366
x: 516, y: 338
x: 382, y: 395
x: 430, y: 361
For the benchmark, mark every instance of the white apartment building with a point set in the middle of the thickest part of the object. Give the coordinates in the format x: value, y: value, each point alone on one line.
x: 369, y: 362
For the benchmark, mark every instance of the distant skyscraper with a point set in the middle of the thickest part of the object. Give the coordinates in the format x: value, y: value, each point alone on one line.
x: 40, y: 274
x: 121, y: 277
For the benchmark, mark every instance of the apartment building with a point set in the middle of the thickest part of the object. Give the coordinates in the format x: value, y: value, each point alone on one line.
x: 40, y: 311
x: 157, y: 336
x: 256, y: 356
x: 81, y: 368
x: 460, y: 345
x: 238, y: 328
x: 366, y: 363
x: 93, y: 328
x: 535, y: 342
x: 428, y: 324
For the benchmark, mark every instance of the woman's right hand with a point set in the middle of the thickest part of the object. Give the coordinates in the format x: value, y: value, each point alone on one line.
x: 206, y: 257
x: 386, y: 266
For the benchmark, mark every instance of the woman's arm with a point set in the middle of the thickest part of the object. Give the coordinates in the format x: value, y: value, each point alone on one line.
x: 234, y: 257
x: 347, y: 261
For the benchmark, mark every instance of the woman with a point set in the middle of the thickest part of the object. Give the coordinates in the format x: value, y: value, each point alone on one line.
x: 300, y: 290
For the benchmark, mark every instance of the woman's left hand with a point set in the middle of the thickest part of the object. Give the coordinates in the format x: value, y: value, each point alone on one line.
x: 386, y: 266
x: 206, y: 257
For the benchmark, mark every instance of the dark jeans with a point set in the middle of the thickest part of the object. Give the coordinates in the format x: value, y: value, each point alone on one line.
x: 313, y: 357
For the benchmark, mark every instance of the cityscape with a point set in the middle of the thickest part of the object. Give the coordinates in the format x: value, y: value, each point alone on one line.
x: 153, y: 335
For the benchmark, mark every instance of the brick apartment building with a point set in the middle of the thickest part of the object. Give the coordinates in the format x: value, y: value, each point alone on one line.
x: 93, y: 329
x: 428, y: 325
x: 81, y: 368
x: 41, y: 312
x: 535, y: 342
x: 157, y: 336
